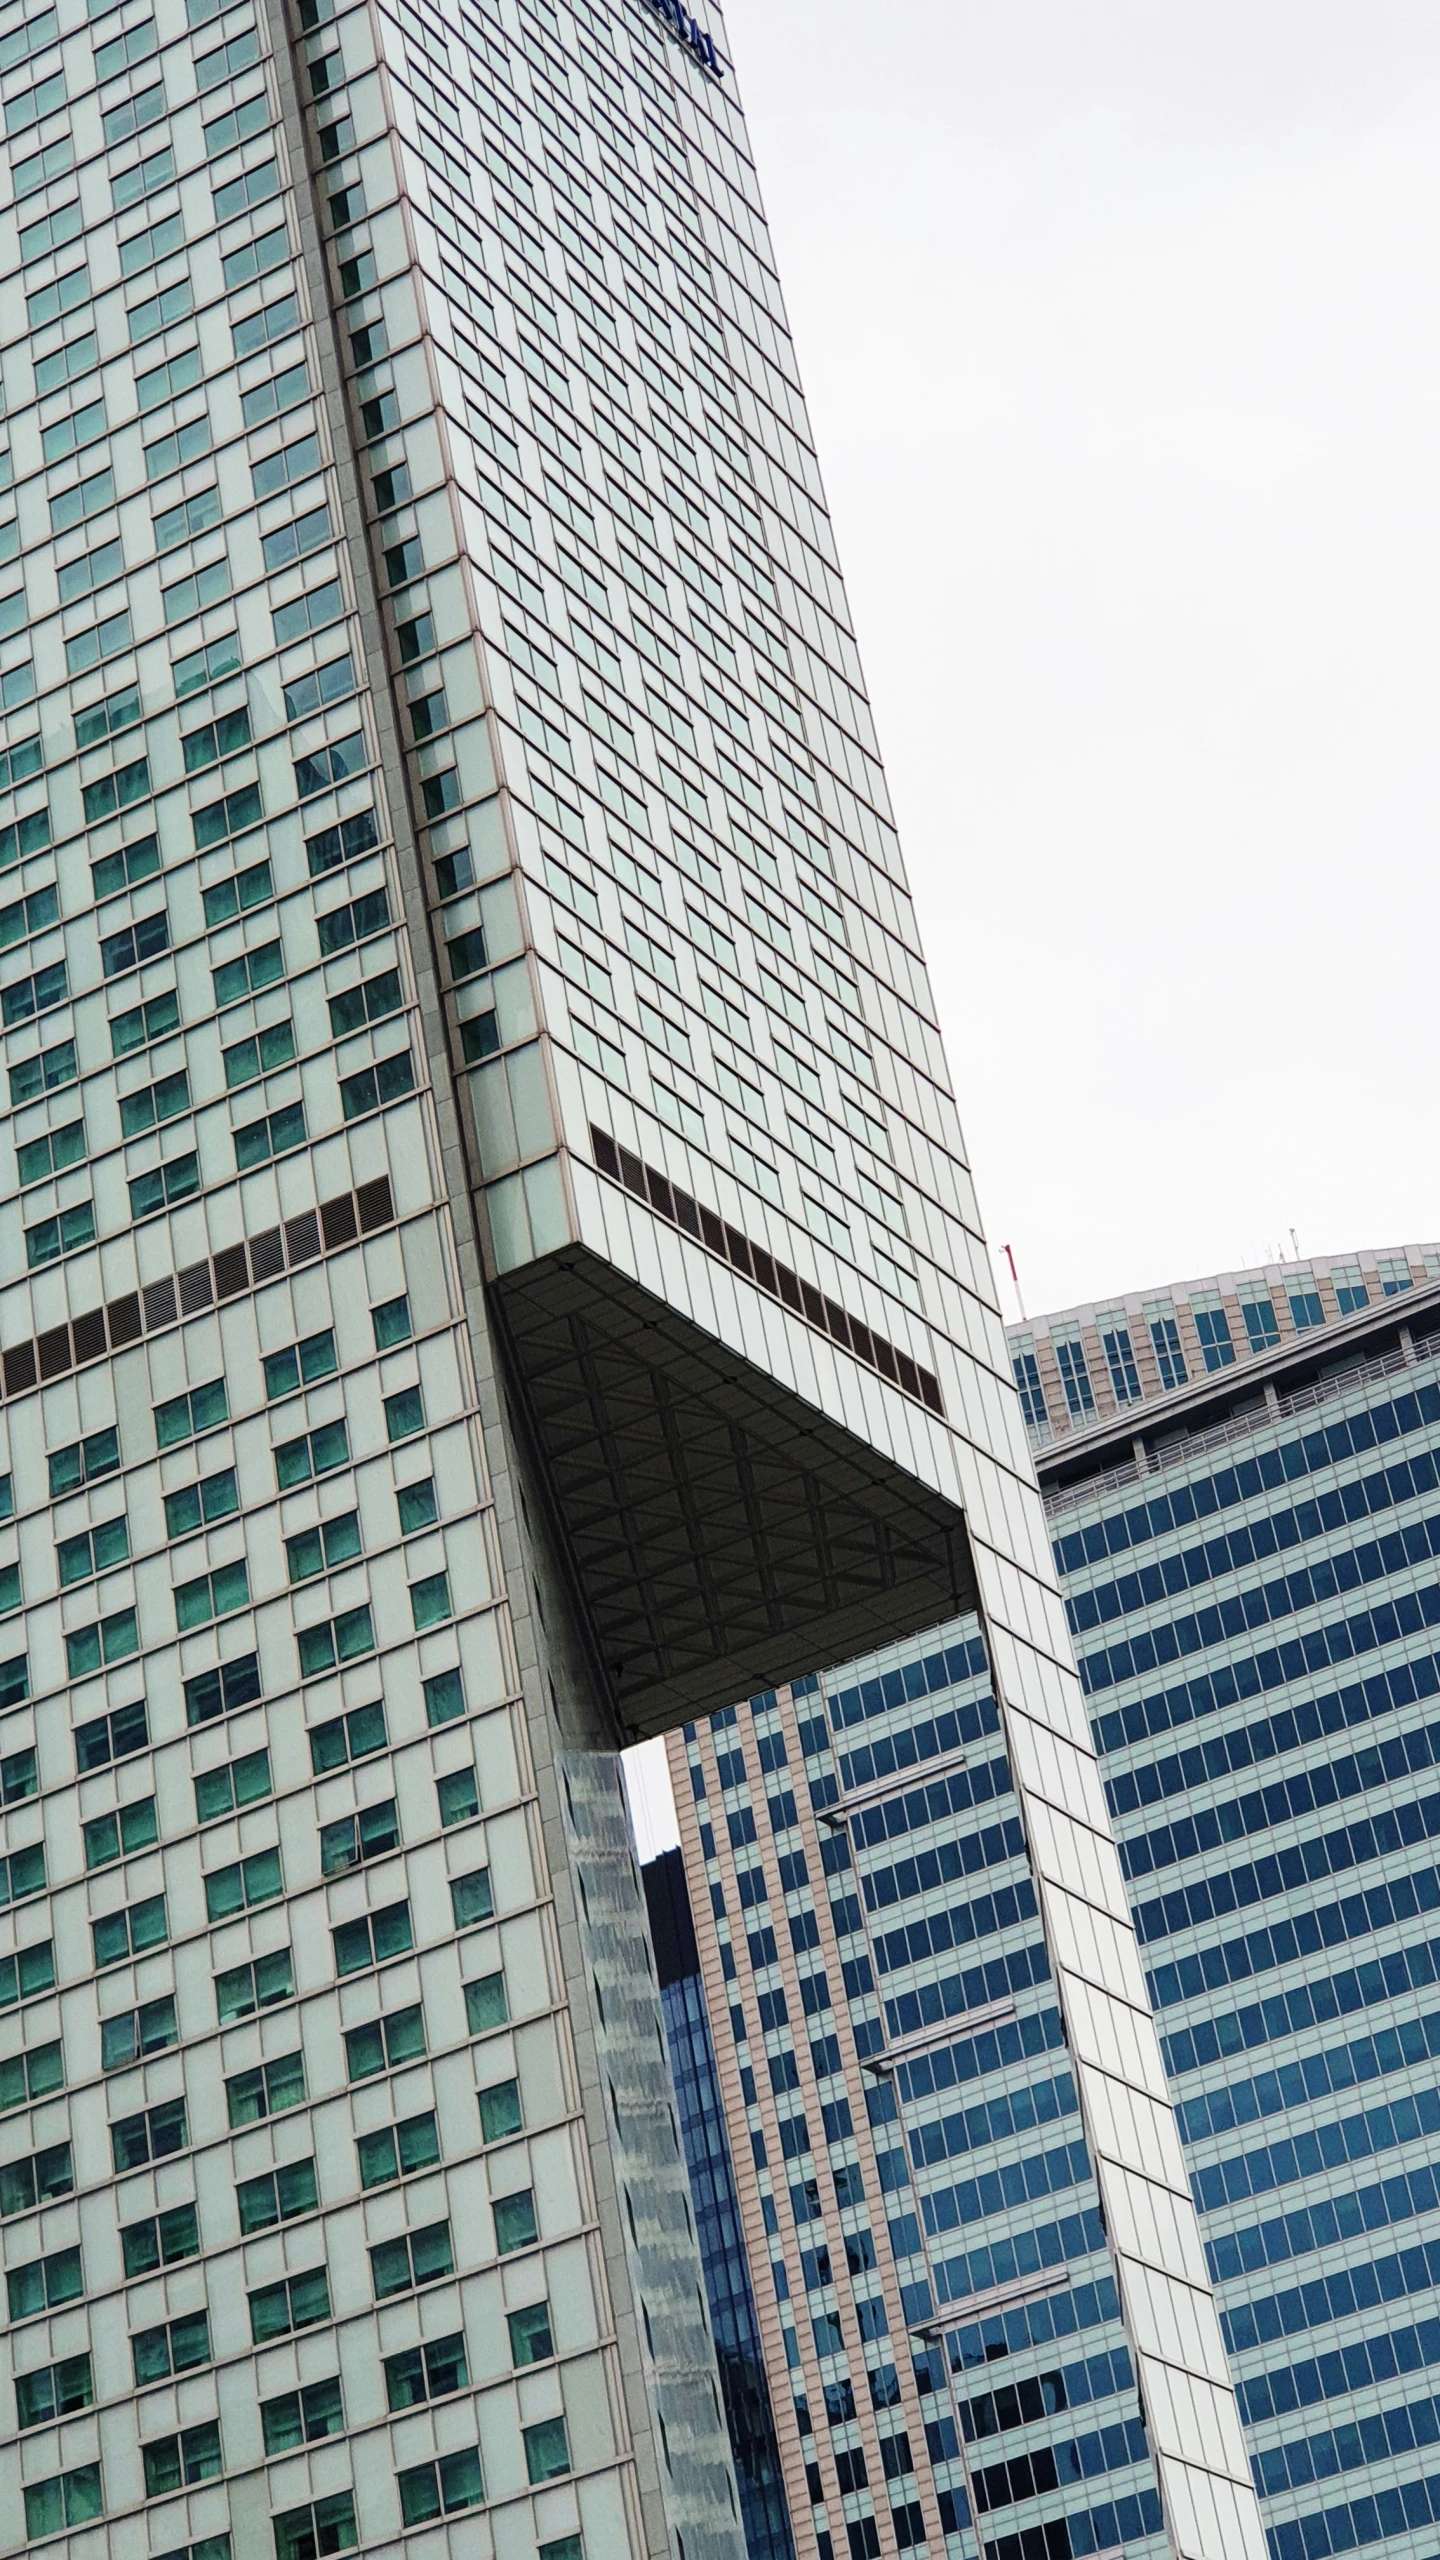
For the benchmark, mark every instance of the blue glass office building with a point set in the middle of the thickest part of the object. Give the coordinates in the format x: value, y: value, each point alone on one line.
x: 1253, y: 1594
x: 739, y: 2352
x: 1246, y: 1549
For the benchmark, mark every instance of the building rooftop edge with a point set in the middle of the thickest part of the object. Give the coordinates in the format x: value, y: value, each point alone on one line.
x: 1347, y: 1342
x: 1263, y: 1274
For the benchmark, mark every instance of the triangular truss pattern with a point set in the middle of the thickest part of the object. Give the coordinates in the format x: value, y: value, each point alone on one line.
x: 722, y: 1533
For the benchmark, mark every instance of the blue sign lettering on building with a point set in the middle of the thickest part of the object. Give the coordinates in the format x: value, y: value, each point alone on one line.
x: 687, y: 31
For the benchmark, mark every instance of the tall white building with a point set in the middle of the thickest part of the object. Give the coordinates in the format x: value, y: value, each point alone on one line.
x: 488, y: 1271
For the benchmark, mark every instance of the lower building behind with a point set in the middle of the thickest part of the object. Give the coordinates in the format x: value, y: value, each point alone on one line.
x: 1254, y: 1560
x: 933, y: 2281
x: 739, y: 2350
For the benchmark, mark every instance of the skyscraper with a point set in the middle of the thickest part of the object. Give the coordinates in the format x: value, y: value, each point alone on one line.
x: 704, y: 2136
x: 932, y: 2269
x: 1249, y: 1576
x: 1090, y: 1365
x: 489, y: 1272
x: 1246, y: 1550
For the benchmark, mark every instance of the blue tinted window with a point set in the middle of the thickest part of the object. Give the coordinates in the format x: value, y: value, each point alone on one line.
x: 1120, y: 1354
x: 1074, y: 1377
x: 1032, y: 1396
x: 1212, y: 1327
x: 1165, y: 1334
x: 1261, y: 1324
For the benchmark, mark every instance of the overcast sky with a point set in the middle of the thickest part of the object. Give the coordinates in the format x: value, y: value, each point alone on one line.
x: 1118, y: 326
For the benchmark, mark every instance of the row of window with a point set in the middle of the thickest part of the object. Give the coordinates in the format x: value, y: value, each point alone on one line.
x: 341, y: 929
x: 376, y: 1938
x: 978, y: 2126
x: 349, y: 1842
x: 145, y: 1924
x: 1316, y: 2002
x: 223, y: 1692
x: 210, y: 1597
x: 1310, y: 1790
x: 1312, y: 2075
x: 389, y: 2043
x: 1313, y: 1929
x: 61, y: 1149
x: 427, y: 2490
x: 322, y: 1549
x: 1212, y: 1332
x: 62, y: 1234
x: 383, y: 2157
x: 901, y: 1282
x: 201, y: 1410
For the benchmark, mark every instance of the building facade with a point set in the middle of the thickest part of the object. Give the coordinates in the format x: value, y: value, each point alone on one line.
x: 1251, y: 1555
x: 704, y: 2136
x: 488, y: 1272
x: 1261, y: 1570
x: 1095, y: 1364
x: 927, y: 2235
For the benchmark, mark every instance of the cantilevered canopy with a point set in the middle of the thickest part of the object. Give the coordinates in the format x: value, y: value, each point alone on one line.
x: 722, y: 1533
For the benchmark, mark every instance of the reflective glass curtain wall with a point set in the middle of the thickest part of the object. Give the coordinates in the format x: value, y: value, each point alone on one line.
x: 738, y: 2347
x: 1254, y: 1602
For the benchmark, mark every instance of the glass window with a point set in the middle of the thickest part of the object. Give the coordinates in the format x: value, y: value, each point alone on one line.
x: 1212, y: 1331
x: 371, y: 1833
x: 1165, y: 1335
x: 120, y: 1834
x: 500, y: 2113
x: 416, y: 2258
x: 74, y: 2498
x: 349, y: 1737
x: 430, y: 1600
x: 277, y: 2196
x: 1032, y: 1394
x: 459, y: 1796
x: 391, y: 1322
x: 426, y: 2372
x: 417, y: 1506
x: 531, y: 2340
x: 301, y: 1365
x: 471, y: 1898
x: 404, y: 1413
x: 302, y: 2417
x: 161, y: 2242
x: 248, y: 1987
x: 397, y: 2150
x: 547, y: 2450
x: 303, y: 2533
x: 385, y: 2044
x: 1120, y: 1360
x: 444, y: 1697
x: 1074, y: 1378
x: 225, y: 1790
x: 45, y: 2284
x: 439, y: 2488
x: 515, y: 2223
x: 178, y: 2462
x: 486, y: 2005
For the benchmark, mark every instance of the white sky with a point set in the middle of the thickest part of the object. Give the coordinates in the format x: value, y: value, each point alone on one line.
x: 1118, y: 326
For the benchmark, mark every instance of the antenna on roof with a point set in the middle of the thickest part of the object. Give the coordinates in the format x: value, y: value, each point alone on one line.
x: 1015, y: 1276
